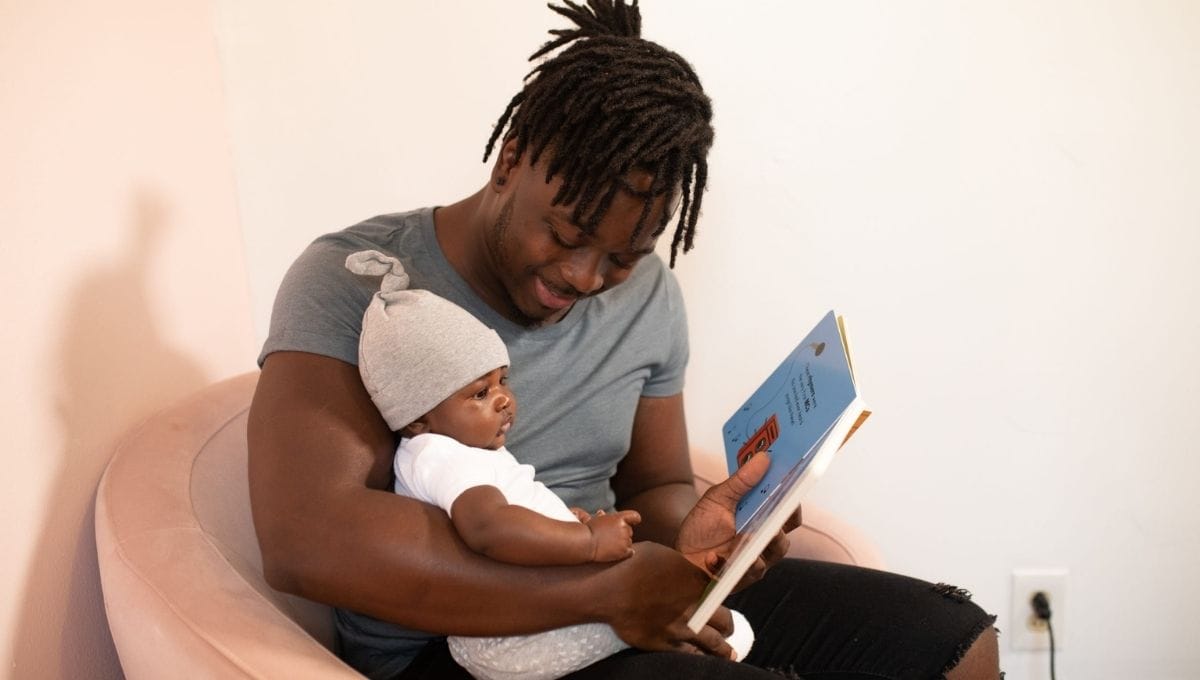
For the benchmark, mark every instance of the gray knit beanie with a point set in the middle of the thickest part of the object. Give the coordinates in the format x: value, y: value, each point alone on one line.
x: 417, y: 348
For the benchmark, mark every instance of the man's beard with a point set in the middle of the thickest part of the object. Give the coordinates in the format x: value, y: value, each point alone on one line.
x: 497, y: 237
x: 497, y: 244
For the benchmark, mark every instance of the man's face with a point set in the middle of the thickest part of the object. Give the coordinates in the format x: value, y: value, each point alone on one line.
x: 545, y: 262
x: 478, y: 415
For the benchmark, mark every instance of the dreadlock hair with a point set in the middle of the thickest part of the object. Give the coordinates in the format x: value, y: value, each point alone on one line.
x: 610, y: 103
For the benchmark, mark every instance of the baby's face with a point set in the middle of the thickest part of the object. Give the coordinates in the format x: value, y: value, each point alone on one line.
x: 479, y: 414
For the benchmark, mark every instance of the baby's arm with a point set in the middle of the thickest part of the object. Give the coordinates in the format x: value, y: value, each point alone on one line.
x: 510, y: 533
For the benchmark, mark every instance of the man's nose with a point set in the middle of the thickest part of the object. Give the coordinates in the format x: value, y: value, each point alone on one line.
x: 585, y: 270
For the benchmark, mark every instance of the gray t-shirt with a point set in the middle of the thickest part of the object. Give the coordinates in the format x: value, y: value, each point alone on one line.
x: 577, y: 382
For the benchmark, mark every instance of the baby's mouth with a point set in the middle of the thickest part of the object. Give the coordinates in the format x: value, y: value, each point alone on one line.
x: 507, y: 424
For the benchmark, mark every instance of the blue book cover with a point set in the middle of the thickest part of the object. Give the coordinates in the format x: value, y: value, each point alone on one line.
x: 807, y: 408
x: 791, y: 413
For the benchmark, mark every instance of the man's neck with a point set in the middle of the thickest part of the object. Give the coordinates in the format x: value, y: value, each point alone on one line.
x: 461, y: 234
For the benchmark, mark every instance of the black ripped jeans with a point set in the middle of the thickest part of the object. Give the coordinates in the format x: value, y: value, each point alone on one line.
x: 812, y: 620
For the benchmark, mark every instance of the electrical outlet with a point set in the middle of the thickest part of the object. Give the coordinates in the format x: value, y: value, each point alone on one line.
x: 1028, y: 632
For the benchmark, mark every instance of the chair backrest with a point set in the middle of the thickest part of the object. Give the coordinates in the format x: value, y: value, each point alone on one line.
x: 179, y: 561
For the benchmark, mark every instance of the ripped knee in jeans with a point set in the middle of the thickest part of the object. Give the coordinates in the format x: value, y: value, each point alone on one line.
x: 953, y: 592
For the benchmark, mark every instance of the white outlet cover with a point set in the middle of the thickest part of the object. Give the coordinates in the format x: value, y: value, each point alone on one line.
x: 1025, y: 634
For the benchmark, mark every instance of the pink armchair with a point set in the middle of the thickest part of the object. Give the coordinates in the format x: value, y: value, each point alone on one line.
x: 181, y: 569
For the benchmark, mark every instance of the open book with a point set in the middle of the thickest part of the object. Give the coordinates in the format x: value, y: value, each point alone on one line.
x: 801, y: 415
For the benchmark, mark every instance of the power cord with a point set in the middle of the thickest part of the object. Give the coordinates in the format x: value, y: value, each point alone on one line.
x: 1041, y: 608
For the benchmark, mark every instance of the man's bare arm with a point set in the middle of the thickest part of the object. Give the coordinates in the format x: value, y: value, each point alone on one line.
x: 655, y: 477
x: 320, y: 460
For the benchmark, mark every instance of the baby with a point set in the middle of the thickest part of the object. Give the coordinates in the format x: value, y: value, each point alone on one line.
x: 439, y: 378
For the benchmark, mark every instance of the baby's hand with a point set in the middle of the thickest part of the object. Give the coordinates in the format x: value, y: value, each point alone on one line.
x: 612, y: 535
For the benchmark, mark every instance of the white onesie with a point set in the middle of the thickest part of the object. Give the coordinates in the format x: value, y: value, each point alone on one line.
x: 437, y: 469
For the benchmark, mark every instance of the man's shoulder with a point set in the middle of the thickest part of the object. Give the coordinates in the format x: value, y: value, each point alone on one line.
x: 389, y: 232
x: 320, y: 303
x: 397, y: 234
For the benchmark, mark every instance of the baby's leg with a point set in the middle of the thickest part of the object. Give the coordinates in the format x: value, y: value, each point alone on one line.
x: 542, y: 656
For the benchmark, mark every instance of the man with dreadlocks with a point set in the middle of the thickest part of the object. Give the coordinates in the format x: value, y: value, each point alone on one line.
x: 604, y: 146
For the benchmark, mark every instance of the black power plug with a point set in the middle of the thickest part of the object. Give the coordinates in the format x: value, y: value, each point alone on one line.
x: 1041, y: 609
x: 1041, y: 605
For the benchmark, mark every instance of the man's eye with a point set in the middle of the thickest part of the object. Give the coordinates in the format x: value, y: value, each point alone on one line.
x: 622, y: 262
x: 559, y: 239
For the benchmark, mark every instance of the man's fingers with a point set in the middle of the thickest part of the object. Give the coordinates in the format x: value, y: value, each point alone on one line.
x: 730, y: 491
x: 711, y: 641
x: 722, y: 621
x: 713, y: 562
x: 794, y: 521
x: 755, y: 572
x: 750, y: 473
x: 776, y: 549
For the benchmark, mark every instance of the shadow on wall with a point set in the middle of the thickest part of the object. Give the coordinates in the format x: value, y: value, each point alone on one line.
x: 115, y: 369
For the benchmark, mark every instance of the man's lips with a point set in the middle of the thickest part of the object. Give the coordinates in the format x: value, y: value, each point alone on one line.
x: 550, y: 297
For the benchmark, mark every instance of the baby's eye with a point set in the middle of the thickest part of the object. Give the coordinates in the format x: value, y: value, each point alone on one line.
x: 504, y: 380
x: 481, y: 394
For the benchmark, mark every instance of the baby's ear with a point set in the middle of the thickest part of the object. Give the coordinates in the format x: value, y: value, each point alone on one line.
x: 414, y: 428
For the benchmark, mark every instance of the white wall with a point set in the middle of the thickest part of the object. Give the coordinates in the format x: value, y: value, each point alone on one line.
x: 124, y: 285
x: 340, y: 112
x: 1000, y: 196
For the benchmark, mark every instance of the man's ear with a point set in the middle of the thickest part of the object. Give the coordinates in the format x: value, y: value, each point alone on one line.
x: 505, y: 167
